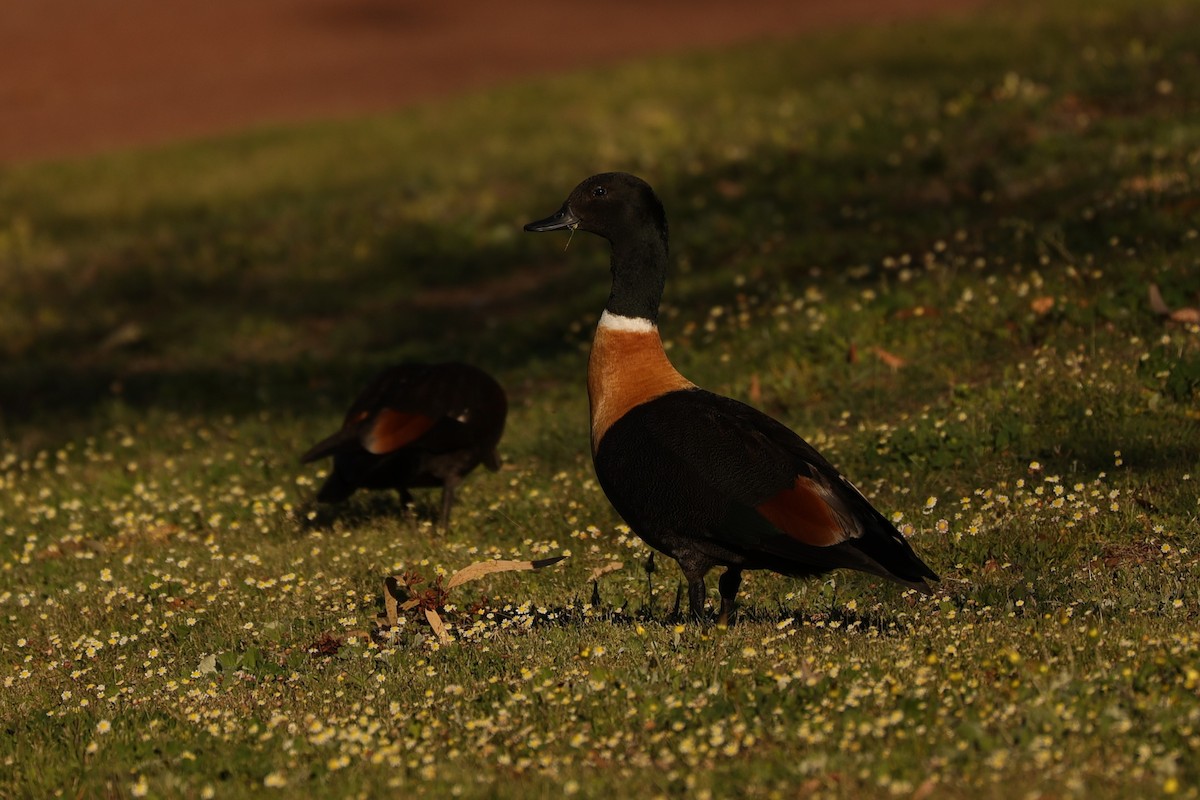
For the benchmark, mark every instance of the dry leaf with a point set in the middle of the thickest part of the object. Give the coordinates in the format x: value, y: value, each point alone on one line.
x: 391, y: 598
x: 1188, y: 316
x: 893, y: 361
x: 394, y: 591
x: 755, y: 390
x: 1156, y: 301
x: 852, y: 354
x: 325, y: 645
x: 1042, y: 305
x: 438, y: 626
x: 481, y: 568
x: 926, y: 789
x: 604, y: 569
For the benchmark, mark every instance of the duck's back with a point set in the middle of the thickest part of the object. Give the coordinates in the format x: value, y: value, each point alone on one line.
x: 452, y: 392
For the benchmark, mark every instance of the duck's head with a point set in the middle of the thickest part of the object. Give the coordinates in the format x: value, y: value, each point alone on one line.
x: 624, y: 210
x: 614, y: 205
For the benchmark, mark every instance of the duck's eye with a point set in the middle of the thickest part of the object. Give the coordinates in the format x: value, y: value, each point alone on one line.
x: 599, y: 191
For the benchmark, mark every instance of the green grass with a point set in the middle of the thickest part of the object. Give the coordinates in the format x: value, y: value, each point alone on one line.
x: 987, y: 200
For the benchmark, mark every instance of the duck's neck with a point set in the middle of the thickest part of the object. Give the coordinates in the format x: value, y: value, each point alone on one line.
x: 639, y: 269
x: 628, y: 366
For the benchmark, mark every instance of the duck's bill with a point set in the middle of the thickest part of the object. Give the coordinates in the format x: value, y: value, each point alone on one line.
x: 563, y: 218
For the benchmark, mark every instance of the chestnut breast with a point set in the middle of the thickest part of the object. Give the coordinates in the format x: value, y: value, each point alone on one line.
x: 628, y: 367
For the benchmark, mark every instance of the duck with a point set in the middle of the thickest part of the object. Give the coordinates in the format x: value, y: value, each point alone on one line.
x: 707, y: 480
x: 415, y: 425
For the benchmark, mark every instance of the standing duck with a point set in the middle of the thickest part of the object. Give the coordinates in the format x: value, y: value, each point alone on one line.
x: 703, y: 478
x: 415, y: 425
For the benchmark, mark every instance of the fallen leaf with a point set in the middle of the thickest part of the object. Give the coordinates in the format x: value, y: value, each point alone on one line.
x: 1186, y: 315
x: 438, y: 626
x: 1139, y: 553
x: 393, y: 593
x: 325, y: 645
x: 208, y: 664
x: 1042, y: 305
x: 481, y: 568
x: 605, y: 569
x: 391, y: 587
x: 893, y: 361
x: 396, y: 591
x: 755, y: 390
x: 926, y: 789
x: 1156, y: 302
x: 852, y: 354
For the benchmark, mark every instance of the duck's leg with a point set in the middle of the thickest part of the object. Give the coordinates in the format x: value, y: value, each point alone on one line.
x: 696, y: 596
x: 406, y: 497
x: 694, y: 569
x: 729, y: 584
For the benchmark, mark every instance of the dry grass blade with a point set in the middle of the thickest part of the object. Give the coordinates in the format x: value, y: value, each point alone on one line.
x: 481, y: 568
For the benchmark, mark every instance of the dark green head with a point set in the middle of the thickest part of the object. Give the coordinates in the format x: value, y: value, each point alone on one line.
x: 612, y: 205
x: 623, y: 209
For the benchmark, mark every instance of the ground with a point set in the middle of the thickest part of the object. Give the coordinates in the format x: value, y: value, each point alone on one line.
x: 77, y: 77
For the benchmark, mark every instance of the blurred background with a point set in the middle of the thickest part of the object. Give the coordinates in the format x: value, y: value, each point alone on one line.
x: 79, y: 77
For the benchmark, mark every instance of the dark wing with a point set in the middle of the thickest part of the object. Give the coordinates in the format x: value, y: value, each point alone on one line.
x: 384, y: 432
x: 753, y: 486
x: 441, y: 407
x: 389, y: 430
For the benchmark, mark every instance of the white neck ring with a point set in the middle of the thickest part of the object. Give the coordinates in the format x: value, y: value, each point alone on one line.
x: 616, y: 322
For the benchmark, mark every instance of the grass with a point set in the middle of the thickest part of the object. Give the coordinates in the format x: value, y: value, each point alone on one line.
x: 926, y: 248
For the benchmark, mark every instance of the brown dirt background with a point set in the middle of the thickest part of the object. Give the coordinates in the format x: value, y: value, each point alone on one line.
x: 79, y: 77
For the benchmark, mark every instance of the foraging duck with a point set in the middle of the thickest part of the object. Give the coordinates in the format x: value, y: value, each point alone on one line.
x: 703, y: 478
x: 415, y: 425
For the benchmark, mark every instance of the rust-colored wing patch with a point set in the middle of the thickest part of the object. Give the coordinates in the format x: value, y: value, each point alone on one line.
x: 392, y: 430
x: 802, y: 512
